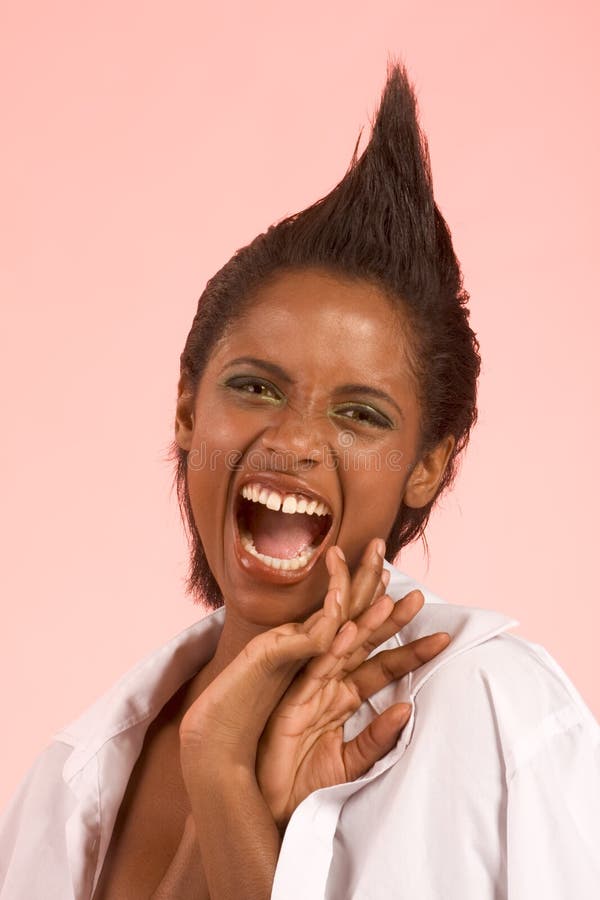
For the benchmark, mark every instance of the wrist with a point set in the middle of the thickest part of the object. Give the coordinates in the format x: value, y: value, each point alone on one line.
x: 212, y: 762
x: 208, y: 775
x: 237, y: 837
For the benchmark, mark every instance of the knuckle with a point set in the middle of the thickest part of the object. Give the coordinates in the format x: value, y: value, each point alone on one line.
x: 387, y: 666
x: 399, y: 617
x: 264, y: 651
x: 269, y: 660
x: 352, y: 699
x: 321, y: 643
x: 373, y: 568
x: 369, y: 742
x: 251, y: 651
x: 370, y: 644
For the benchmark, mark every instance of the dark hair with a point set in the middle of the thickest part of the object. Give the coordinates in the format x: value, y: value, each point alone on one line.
x: 380, y: 224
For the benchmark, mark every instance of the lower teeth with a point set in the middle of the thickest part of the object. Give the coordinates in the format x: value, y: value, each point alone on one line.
x: 276, y: 562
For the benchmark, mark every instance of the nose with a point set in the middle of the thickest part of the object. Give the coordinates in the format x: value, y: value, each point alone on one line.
x: 296, y: 439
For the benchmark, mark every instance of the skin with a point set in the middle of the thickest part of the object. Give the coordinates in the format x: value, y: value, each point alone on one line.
x: 282, y: 657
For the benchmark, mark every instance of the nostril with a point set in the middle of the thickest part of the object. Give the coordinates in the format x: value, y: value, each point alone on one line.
x: 285, y: 461
x: 292, y: 441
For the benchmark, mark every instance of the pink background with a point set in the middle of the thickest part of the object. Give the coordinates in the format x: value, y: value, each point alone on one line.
x: 142, y: 144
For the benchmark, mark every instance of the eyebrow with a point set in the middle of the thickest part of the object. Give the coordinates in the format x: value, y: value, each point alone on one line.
x: 368, y: 391
x: 364, y: 389
x: 273, y: 368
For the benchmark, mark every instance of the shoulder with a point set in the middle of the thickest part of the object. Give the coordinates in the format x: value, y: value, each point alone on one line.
x: 511, y: 687
x: 487, y: 680
x: 42, y: 785
x: 508, y: 667
x: 32, y: 829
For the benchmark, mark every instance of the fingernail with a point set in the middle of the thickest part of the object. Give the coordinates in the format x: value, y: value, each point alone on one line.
x: 380, y: 547
x: 385, y: 577
x: 340, y: 553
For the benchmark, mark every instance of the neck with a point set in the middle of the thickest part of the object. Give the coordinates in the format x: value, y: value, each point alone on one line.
x: 234, y: 637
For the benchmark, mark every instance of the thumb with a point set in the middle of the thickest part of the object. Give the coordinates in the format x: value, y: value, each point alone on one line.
x: 375, y: 740
x: 288, y: 647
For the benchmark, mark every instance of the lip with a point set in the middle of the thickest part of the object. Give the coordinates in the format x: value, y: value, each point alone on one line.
x: 284, y: 484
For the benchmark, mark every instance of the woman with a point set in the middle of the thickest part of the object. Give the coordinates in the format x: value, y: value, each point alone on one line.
x: 330, y: 730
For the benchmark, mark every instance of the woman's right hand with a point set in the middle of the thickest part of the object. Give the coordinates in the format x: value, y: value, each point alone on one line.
x: 301, y: 748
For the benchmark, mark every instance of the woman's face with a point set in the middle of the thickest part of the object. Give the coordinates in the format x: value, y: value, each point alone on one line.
x: 307, y: 405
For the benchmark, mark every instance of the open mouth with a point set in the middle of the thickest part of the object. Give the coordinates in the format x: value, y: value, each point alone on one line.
x: 283, y: 530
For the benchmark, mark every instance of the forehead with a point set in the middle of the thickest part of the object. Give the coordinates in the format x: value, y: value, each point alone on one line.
x: 316, y: 321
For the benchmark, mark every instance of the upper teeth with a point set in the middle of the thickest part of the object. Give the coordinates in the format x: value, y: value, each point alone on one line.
x: 287, y: 503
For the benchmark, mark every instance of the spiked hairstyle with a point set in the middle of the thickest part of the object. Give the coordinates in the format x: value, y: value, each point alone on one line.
x: 380, y: 224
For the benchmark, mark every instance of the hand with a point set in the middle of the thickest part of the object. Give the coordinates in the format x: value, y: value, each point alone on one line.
x: 230, y: 715
x: 225, y: 722
x: 302, y: 747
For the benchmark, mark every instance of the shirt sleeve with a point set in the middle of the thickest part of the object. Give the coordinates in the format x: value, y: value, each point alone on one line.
x: 33, y: 861
x: 553, y: 812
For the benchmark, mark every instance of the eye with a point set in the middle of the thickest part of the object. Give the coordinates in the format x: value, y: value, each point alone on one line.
x: 255, y: 387
x: 364, y: 415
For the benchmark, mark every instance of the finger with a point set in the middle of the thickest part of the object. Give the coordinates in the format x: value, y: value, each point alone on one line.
x: 324, y: 667
x: 333, y: 662
x: 332, y: 607
x: 401, y: 613
x: 341, y: 651
x: 381, y: 586
x: 288, y: 647
x: 322, y: 633
x: 350, y: 652
x: 323, y: 629
x: 390, y: 665
x: 375, y: 740
x: 339, y: 577
x: 367, y: 577
x: 375, y: 626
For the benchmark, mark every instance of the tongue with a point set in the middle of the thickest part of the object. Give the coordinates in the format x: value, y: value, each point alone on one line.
x: 284, y: 535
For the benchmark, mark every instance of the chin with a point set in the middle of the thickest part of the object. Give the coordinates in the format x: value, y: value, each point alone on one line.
x: 267, y: 603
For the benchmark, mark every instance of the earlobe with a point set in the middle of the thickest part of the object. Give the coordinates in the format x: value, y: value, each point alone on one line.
x: 427, y: 474
x: 184, y: 415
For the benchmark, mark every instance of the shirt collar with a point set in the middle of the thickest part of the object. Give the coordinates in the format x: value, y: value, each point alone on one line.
x: 142, y: 692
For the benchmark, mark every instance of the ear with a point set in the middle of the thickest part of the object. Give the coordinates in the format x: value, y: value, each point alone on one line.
x: 184, y: 414
x: 427, y: 474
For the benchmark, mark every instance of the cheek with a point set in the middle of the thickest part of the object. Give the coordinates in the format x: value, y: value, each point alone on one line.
x: 217, y: 443
x: 220, y: 437
x: 372, y: 499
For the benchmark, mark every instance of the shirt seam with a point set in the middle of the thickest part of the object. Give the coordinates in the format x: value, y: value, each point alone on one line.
x: 554, y: 725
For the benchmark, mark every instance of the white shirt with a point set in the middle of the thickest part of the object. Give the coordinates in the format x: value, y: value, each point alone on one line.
x: 492, y: 791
